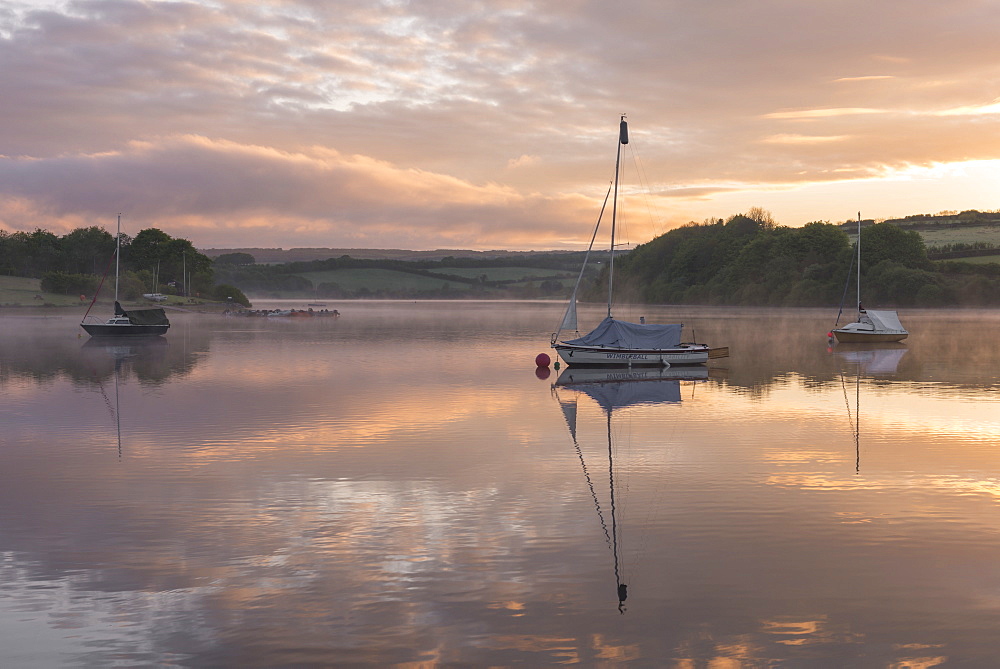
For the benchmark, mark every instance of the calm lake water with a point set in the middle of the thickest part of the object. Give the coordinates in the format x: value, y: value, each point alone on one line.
x: 401, y: 487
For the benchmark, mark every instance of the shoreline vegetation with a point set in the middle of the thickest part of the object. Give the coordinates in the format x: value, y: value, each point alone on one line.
x: 25, y: 294
x: 946, y: 259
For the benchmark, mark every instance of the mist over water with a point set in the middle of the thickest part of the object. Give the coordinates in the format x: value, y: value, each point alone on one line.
x: 400, y: 485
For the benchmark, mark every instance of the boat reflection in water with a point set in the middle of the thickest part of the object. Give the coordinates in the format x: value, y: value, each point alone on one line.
x: 121, y: 349
x: 872, y: 361
x: 141, y: 356
x: 120, y: 352
x: 615, y: 390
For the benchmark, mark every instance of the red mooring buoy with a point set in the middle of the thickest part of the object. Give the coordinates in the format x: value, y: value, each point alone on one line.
x: 542, y: 360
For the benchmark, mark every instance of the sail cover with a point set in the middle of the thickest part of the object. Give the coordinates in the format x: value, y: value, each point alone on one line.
x: 885, y: 320
x: 147, y: 316
x: 612, y: 333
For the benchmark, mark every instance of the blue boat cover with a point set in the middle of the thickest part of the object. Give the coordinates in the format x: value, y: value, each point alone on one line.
x: 612, y: 333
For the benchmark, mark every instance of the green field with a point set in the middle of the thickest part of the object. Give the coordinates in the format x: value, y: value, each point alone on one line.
x: 502, y: 273
x: 18, y: 291
x: 391, y: 280
x: 942, y: 235
x: 979, y: 260
x: 22, y: 291
x: 961, y: 235
x: 381, y: 279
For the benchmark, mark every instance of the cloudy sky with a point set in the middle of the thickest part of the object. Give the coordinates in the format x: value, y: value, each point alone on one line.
x: 488, y: 124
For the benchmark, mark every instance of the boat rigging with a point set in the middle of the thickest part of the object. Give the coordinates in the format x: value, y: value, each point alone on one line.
x: 617, y: 342
x: 131, y: 323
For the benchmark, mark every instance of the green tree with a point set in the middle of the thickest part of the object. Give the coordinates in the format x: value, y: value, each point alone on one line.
x: 12, y: 252
x: 885, y: 241
x: 226, y: 293
x: 235, y: 259
x: 175, y: 259
x: 147, y: 249
x: 88, y: 250
x: 69, y: 284
x: 329, y: 289
x: 130, y: 285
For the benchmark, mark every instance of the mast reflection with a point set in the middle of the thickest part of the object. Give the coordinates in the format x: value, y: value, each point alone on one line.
x: 121, y: 353
x: 871, y: 361
x: 614, y: 390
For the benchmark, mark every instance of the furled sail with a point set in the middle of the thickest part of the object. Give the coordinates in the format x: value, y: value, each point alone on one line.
x: 622, y: 334
x: 885, y: 320
x: 146, y: 316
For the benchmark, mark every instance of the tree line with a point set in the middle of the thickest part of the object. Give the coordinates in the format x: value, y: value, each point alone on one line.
x: 744, y: 260
x: 150, y: 262
x: 748, y: 260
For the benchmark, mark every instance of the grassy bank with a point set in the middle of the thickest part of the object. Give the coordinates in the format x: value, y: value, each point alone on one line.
x: 981, y: 260
x: 16, y: 291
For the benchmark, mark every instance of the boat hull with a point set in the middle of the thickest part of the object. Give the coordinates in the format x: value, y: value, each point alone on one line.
x: 109, y: 330
x: 856, y: 337
x: 581, y: 356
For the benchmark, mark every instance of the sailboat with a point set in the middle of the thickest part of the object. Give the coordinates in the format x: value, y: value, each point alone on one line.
x: 614, y: 390
x: 871, y: 326
x: 132, y: 323
x: 617, y: 342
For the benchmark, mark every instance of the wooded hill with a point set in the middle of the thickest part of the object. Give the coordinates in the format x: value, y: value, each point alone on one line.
x: 751, y: 261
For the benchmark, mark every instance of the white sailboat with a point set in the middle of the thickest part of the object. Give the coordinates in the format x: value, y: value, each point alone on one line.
x: 871, y: 326
x: 131, y: 323
x: 617, y: 342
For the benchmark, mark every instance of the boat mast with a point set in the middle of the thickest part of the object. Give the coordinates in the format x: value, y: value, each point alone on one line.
x: 622, y: 139
x: 118, y: 248
x: 859, y: 262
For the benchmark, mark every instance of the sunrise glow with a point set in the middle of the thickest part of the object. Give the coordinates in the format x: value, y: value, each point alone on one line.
x: 297, y: 124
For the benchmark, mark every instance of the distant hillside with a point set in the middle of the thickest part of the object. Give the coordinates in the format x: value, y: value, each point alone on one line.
x: 272, y: 256
x: 510, y: 276
x: 947, y: 235
x: 750, y: 262
x: 963, y: 218
x: 927, y: 222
